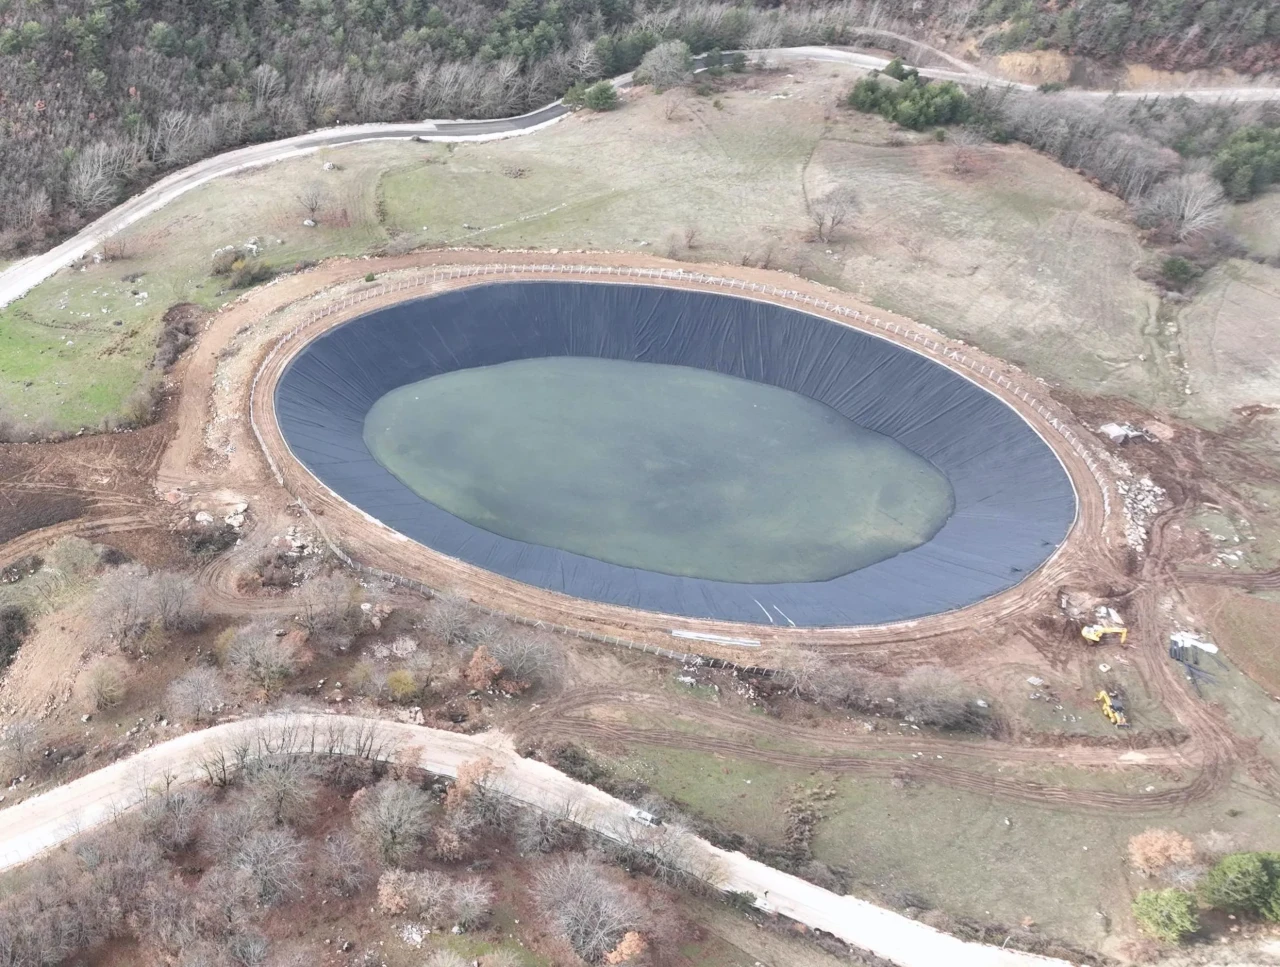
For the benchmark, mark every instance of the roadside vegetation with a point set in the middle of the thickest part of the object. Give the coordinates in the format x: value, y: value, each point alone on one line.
x: 1176, y: 163
x: 283, y: 858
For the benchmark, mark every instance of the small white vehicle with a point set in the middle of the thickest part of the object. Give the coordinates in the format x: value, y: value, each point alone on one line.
x: 644, y: 818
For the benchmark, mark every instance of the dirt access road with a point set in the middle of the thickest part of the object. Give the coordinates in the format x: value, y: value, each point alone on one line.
x: 48, y: 820
x: 21, y: 277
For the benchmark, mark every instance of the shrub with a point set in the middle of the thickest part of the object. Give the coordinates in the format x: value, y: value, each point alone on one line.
x: 899, y: 71
x: 576, y: 96
x: 1178, y: 271
x: 1249, y: 161
x: 601, y: 96
x: 1167, y: 914
x: 402, y: 686
x: 934, y: 696
x: 224, y: 260
x: 105, y: 686
x: 1154, y: 849
x: 482, y: 670
x: 912, y: 103
x: 249, y: 272
x: 1239, y: 883
x: 14, y: 628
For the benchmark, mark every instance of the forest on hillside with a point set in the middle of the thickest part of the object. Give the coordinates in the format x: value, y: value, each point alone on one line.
x: 1169, y: 34
x: 97, y: 97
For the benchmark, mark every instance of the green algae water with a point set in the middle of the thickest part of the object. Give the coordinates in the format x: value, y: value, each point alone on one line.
x: 667, y: 468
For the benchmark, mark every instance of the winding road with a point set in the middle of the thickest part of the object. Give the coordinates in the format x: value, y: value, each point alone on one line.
x: 23, y: 276
x: 45, y: 821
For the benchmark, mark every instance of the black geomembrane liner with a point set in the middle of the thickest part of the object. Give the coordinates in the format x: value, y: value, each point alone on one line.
x: 1014, y: 502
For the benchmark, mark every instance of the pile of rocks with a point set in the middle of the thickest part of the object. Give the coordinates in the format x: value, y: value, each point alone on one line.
x: 1143, y: 499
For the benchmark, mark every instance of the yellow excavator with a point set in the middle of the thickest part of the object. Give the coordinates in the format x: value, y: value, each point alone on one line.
x: 1113, y: 708
x: 1105, y: 634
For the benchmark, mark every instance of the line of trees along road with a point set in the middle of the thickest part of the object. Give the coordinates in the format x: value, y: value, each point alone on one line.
x: 99, y: 96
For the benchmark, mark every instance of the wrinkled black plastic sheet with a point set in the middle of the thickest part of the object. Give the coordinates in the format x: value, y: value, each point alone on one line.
x: 1014, y: 502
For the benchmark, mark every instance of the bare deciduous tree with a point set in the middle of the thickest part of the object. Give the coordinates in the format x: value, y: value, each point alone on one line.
x: 805, y: 672
x: 29, y: 209
x: 261, y: 657
x: 95, y: 176
x: 472, y: 901
x: 311, y: 197
x: 105, y: 685
x: 343, y: 864
x: 326, y: 601
x: 546, y: 830
x: 268, y: 86
x: 585, y: 62
x: 121, y: 609
x: 285, y: 785
x: 451, y: 617
x: 18, y: 741
x: 322, y: 96
x: 273, y: 860
x: 832, y: 209
x: 426, y: 896
x: 195, y: 695
x: 247, y: 948
x: 673, y: 103
x: 175, y: 599
x: 1188, y: 205
x: 225, y: 901
x: 583, y: 905
x: 670, y: 64
x: 527, y: 656
x: 176, y: 138
x: 964, y: 149
x: 171, y: 820
x: 393, y: 820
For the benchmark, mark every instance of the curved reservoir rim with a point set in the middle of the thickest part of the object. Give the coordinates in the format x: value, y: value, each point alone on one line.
x: 950, y: 575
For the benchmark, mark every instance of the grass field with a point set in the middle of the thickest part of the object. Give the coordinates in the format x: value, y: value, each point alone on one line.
x: 1018, y: 255
x: 74, y: 348
x: 967, y: 854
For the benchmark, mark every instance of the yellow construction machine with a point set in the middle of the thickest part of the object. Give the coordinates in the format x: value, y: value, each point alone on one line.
x: 1105, y: 634
x: 1113, y: 708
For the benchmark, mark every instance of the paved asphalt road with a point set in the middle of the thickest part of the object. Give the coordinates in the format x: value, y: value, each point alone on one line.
x: 45, y: 821
x: 23, y: 276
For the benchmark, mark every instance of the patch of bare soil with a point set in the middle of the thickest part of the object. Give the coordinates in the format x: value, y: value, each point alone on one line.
x: 33, y: 510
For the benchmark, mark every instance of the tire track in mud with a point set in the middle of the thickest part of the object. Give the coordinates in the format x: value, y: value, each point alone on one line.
x: 1258, y: 581
x: 876, y: 755
x: 1160, y: 750
x: 1205, y: 785
x: 87, y: 528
